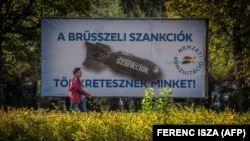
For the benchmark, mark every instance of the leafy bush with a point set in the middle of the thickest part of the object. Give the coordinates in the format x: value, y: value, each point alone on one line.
x: 160, y: 102
x: 57, y: 125
x: 24, y: 124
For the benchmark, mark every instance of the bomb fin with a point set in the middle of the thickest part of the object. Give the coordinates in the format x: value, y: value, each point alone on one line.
x: 96, y: 53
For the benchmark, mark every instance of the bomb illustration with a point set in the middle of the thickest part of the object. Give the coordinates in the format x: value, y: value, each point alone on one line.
x: 100, y: 55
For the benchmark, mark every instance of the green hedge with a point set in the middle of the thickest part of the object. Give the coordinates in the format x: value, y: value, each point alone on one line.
x: 43, y: 125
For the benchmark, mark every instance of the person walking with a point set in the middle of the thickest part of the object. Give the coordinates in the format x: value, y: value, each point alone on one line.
x: 77, y: 95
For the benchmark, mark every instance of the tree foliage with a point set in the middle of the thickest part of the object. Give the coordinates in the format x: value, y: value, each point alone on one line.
x: 19, y: 49
x: 143, y: 8
x: 229, y: 45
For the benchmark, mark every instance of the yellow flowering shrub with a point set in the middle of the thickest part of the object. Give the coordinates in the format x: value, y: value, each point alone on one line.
x: 41, y: 125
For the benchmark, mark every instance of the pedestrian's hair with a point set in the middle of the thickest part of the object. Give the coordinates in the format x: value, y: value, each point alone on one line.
x: 75, y: 70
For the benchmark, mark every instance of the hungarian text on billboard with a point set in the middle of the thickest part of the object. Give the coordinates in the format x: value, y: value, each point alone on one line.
x: 123, y: 57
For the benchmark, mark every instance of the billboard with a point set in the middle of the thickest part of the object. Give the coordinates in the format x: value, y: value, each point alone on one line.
x: 123, y: 57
